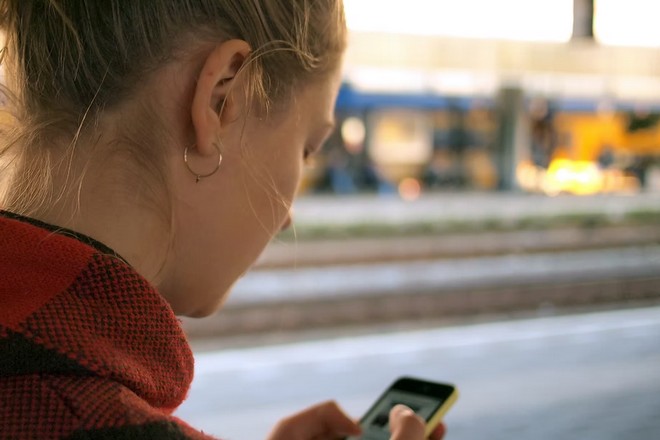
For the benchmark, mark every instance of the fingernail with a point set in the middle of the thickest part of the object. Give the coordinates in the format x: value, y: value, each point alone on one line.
x: 401, y: 410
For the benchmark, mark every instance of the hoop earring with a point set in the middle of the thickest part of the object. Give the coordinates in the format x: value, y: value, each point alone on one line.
x: 198, y: 176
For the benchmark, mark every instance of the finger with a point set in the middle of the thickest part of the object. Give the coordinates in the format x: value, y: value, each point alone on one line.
x: 325, y: 420
x: 335, y: 420
x: 405, y: 424
x: 439, y: 432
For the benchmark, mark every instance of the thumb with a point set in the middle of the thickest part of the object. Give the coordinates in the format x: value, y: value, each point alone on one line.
x: 405, y: 424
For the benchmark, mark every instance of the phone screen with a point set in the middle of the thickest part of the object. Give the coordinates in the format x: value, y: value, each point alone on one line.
x: 375, y: 424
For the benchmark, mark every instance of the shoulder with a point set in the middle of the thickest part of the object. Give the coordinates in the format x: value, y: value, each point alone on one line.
x: 78, y: 408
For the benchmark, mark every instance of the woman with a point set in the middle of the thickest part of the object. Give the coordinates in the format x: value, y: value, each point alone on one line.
x: 154, y: 149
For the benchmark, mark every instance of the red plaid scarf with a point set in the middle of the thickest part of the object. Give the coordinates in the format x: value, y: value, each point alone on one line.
x: 88, y: 348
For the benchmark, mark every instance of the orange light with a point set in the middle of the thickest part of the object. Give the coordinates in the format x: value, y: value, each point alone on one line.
x: 576, y: 177
x: 410, y: 189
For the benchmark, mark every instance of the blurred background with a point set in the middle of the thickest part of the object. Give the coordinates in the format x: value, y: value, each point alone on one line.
x: 487, y: 213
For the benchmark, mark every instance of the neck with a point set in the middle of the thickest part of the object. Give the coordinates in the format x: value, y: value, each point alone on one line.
x: 103, y: 200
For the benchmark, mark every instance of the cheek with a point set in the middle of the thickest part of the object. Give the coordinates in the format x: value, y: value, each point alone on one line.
x: 283, y: 174
x: 268, y: 194
x: 290, y: 181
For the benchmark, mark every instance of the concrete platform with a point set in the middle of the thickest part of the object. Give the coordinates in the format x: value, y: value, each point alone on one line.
x: 465, y: 207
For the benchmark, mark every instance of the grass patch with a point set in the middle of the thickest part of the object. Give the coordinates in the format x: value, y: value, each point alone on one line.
x: 309, y: 232
x: 646, y: 217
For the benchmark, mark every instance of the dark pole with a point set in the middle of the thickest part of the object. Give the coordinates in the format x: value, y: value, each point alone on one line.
x: 512, y: 135
x: 583, y: 19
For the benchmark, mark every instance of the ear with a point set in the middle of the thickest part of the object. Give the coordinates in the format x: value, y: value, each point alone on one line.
x: 212, y: 100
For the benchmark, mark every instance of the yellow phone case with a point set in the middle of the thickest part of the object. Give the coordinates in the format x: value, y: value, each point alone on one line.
x: 435, y: 420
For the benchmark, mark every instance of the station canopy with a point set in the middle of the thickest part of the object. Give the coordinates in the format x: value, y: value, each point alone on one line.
x: 616, y: 22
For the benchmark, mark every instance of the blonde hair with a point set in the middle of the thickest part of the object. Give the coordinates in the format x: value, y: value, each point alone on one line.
x: 68, y: 61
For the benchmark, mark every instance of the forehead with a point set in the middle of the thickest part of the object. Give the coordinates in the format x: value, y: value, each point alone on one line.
x: 321, y: 94
x: 312, y: 103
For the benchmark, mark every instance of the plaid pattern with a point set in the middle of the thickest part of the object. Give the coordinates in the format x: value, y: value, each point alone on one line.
x: 88, y: 348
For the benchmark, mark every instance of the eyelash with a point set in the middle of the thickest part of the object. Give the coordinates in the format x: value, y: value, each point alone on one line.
x: 307, y: 156
x: 310, y: 152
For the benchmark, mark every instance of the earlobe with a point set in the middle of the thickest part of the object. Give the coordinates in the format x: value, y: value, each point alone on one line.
x: 213, y: 100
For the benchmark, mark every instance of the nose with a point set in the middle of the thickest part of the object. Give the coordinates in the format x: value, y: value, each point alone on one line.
x: 287, y: 221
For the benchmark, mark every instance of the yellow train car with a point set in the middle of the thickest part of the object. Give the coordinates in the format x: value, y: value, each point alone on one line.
x: 585, y: 136
x: 595, y: 152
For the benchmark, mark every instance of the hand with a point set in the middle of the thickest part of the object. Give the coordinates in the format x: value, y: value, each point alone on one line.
x: 406, y: 425
x: 319, y: 422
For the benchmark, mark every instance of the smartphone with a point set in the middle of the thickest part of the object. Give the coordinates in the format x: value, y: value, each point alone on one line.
x: 429, y: 400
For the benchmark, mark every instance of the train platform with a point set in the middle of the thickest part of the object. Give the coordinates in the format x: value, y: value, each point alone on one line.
x: 480, y: 208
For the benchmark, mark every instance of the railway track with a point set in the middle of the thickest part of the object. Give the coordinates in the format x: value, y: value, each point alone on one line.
x: 274, y: 299
x: 313, y: 253
x: 457, y: 304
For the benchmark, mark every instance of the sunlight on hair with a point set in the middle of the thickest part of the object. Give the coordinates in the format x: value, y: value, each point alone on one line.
x: 627, y: 23
x: 519, y: 20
